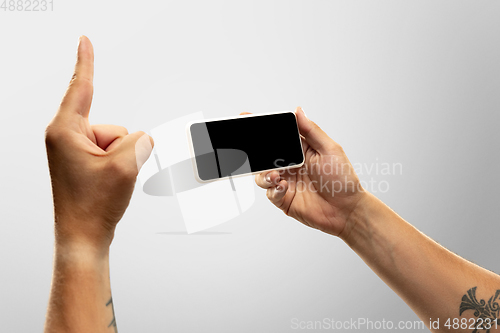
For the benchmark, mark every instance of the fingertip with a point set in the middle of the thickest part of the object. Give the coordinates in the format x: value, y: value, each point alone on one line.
x: 267, y: 179
x: 282, y: 186
x: 301, y: 116
x: 303, y: 122
x: 277, y: 193
x: 145, y: 139
x: 84, y: 42
x: 272, y: 177
x: 315, y: 137
x: 85, y: 49
x: 143, y: 148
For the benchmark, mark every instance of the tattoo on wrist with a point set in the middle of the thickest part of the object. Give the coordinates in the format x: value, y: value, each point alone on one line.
x: 113, y: 321
x: 485, y: 312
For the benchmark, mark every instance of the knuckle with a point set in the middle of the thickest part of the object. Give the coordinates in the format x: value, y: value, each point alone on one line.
x: 79, y: 79
x: 49, y: 135
x: 54, y: 135
x: 81, y: 84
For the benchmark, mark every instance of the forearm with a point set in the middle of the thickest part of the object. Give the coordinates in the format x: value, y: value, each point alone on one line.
x: 80, y: 299
x: 428, y: 277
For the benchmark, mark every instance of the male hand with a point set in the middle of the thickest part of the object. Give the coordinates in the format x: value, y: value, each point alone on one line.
x: 325, y: 191
x: 93, y: 167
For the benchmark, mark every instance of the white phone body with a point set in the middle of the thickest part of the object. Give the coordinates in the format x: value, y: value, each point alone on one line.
x: 193, y: 158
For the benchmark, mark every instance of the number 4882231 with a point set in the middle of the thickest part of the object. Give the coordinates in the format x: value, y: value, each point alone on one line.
x: 27, y: 5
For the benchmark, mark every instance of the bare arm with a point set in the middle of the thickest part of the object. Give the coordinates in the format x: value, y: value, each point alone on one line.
x: 429, y: 278
x: 326, y: 194
x: 93, y: 169
x: 81, y: 293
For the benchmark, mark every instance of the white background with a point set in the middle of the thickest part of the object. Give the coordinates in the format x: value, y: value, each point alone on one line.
x: 410, y: 82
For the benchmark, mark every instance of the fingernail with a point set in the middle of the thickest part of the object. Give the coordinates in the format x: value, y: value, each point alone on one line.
x: 143, y: 149
x: 279, y: 188
x: 303, y: 111
x: 268, y: 178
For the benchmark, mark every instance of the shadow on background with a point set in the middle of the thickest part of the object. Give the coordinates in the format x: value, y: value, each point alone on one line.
x: 201, y: 233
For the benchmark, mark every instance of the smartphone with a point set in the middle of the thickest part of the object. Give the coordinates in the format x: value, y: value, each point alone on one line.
x: 243, y: 145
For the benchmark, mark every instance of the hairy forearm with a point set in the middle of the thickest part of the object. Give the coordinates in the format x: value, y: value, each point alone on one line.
x: 428, y: 277
x: 80, y: 299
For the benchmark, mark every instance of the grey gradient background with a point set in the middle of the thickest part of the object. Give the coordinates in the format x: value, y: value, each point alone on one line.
x: 411, y: 82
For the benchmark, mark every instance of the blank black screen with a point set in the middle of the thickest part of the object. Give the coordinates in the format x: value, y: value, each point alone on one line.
x: 268, y: 141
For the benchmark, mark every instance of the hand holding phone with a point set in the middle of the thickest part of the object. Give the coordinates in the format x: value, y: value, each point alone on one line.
x: 324, y: 192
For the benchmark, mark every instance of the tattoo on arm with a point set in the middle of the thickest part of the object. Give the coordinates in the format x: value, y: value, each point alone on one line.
x: 113, y: 321
x: 487, y: 313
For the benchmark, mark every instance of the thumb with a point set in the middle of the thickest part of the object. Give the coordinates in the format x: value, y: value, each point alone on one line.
x: 135, y: 149
x: 78, y: 97
x: 314, y: 135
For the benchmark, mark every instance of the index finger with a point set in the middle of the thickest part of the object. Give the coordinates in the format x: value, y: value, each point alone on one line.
x: 78, y: 97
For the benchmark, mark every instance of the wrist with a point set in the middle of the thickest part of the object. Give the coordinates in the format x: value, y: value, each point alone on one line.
x: 80, y: 251
x: 373, y: 226
x: 89, y: 234
x: 359, y: 217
